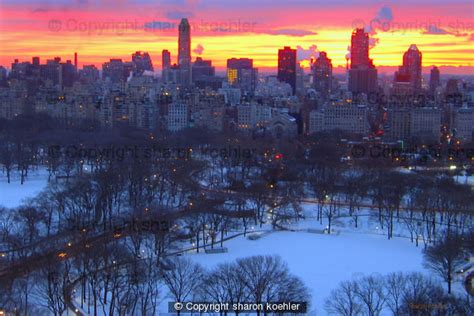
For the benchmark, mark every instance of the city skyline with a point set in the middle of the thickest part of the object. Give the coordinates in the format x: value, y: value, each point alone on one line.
x: 444, y: 35
x: 272, y: 157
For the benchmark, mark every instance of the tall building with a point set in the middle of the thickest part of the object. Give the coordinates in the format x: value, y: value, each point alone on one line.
x: 202, y: 68
x: 234, y: 65
x: 142, y: 62
x: 452, y: 87
x: 165, y: 59
x: 20, y: 70
x: 453, y: 94
x: 173, y: 74
x: 410, y: 71
x: 242, y: 74
x: 287, y: 66
x: 434, y: 79
x: 184, y: 50
x: 68, y: 74
x: 3, y: 73
x: 116, y: 70
x: 203, y: 74
x: 89, y: 73
x: 322, y: 75
x: 362, y: 72
x: 165, y: 65
x: 51, y: 71
x: 26, y: 70
x: 360, y: 49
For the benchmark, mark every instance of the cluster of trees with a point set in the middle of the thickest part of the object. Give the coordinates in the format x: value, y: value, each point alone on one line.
x: 78, y: 229
x: 201, y: 199
x: 138, y: 287
x: 258, y: 279
x: 395, y: 294
x: 425, y: 204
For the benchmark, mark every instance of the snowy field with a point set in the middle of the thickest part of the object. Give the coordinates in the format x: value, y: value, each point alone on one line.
x: 322, y: 261
x: 13, y: 193
x: 465, y: 179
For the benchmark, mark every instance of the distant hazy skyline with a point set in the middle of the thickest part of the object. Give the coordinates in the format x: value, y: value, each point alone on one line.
x: 99, y: 30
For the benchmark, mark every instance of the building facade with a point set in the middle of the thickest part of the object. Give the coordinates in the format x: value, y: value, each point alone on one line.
x: 287, y: 66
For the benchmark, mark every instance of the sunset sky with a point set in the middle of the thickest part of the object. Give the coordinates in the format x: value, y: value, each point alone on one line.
x: 221, y: 29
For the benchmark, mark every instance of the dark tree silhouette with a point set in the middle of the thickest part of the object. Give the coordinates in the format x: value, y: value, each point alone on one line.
x: 445, y: 257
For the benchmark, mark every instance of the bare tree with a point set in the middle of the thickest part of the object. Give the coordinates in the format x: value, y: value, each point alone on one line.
x: 6, y: 157
x: 354, y: 190
x: 414, y: 223
x: 370, y: 291
x: 331, y: 209
x: 261, y: 275
x: 456, y: 306
x: 323, y: 186
x: 124, y: 296
x: 445, y: 257
x: 213, y: 287
x: 51, y: 284
x: 183, y: 280
x: 258, y: 196
x: 395, y: 286
x: 421, y: 296
x: 147, y: 288
x: 292, y: 289
x: 344, y: 301
x: 225, y: 284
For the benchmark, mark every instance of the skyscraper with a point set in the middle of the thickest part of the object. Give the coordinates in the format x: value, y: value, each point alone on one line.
x: 51, y: 70
x: 452, y: 87
x: 453, y: 93
x: 202, y: 68
x: 3, y: 74
x: 203, y: 74
x: 184, y: 51
x: 410, y: 71
x: 242, y: 74
x: 360, y: 49
x: 142, y: 62
x: 287, y: 66
x: 322, y: 75
x: 165, y: 59
x: 68, y: 74
x: 434, y: 79
x: 116, y: 70
x: 362, y: 73
x: 89, y: 73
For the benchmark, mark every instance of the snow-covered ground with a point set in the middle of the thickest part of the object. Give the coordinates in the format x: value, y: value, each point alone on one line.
x: 322, y: 261
x: 13, y: 193
x: 465, y: 179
